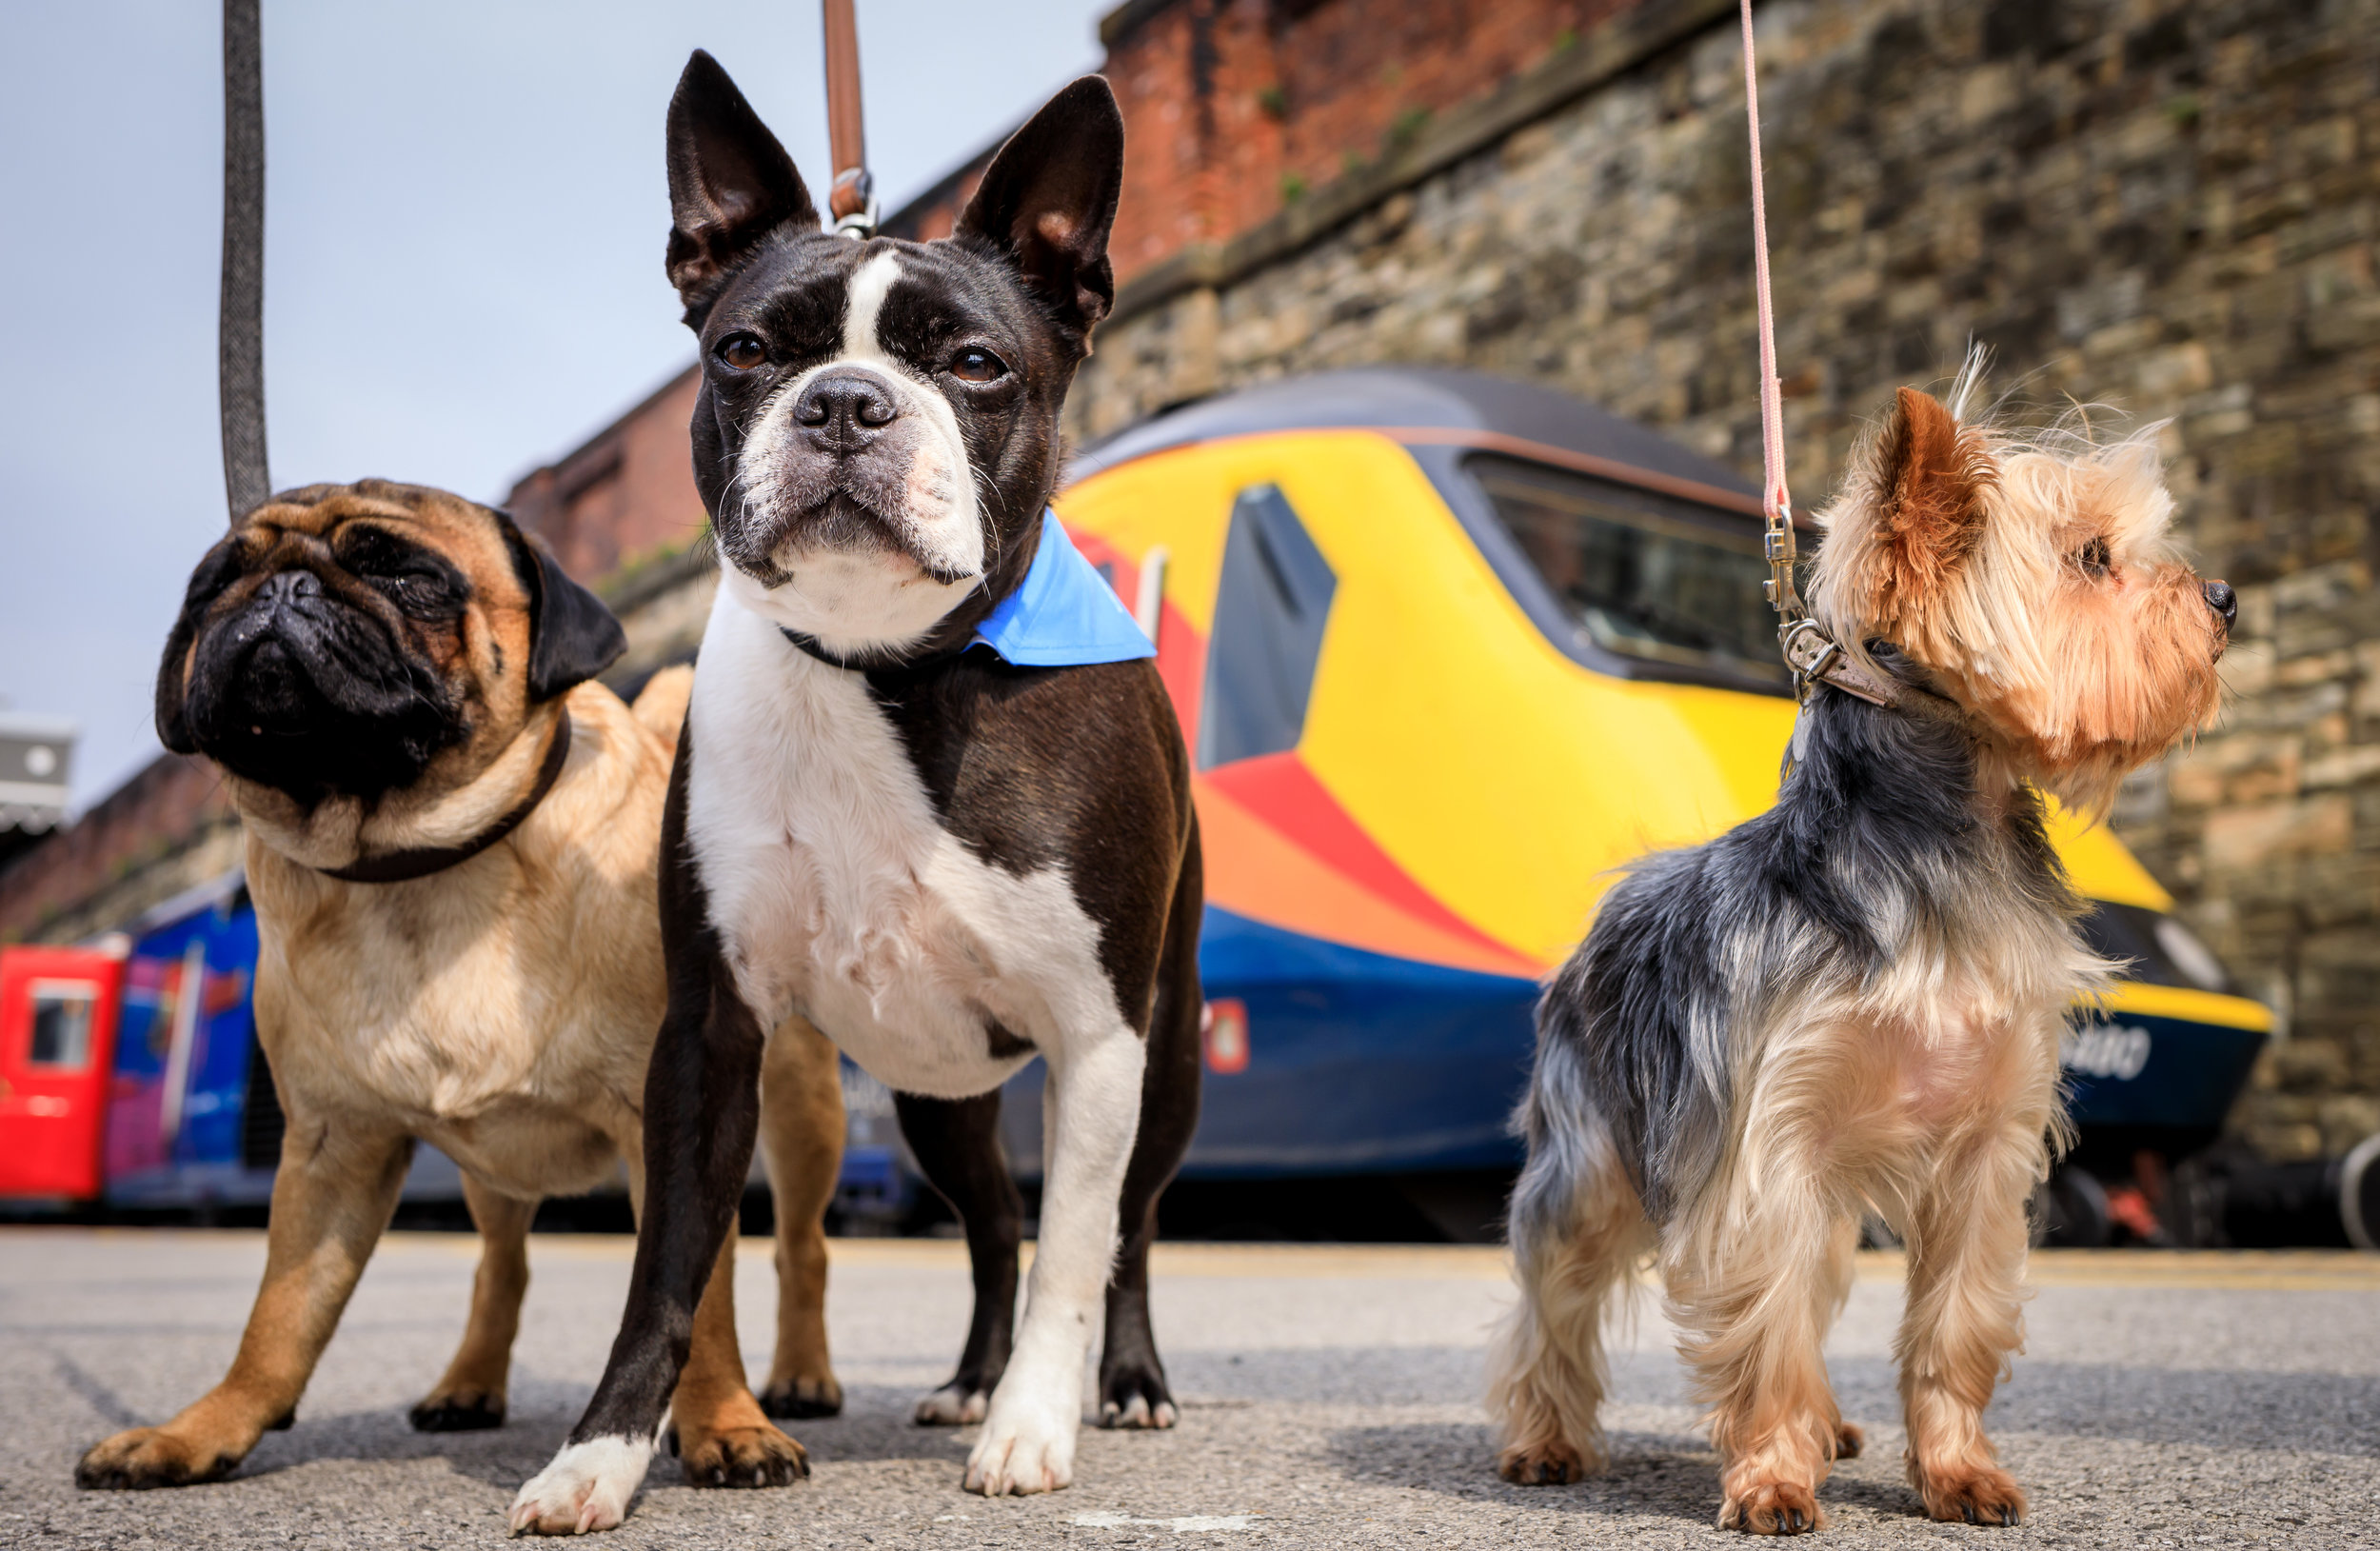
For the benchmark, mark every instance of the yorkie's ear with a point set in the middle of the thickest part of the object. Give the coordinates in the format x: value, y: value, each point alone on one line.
x: 1932, y: 476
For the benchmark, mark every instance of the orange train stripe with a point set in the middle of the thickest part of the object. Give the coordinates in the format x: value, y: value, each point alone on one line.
x: 1253, y: 870
x: 1282, y: 791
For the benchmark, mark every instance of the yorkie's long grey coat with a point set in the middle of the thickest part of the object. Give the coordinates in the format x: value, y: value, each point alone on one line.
x: 1852, y: 1002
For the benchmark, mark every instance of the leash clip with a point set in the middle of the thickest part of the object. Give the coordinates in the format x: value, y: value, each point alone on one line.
x: 1817, y: 657
x: 852, y: 202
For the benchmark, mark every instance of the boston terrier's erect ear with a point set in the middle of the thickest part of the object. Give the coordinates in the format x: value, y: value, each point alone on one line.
x: 730, y: 184
x: 1048, y: 200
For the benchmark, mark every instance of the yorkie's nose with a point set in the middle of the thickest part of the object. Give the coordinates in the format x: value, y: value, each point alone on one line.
x: 2222, y: 601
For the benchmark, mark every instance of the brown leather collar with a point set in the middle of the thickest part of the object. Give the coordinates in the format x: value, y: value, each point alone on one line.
x: 401, y: 867
x: 1816, y: 658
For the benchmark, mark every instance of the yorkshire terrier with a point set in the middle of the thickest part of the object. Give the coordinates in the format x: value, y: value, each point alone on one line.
x: 1851, y: 1003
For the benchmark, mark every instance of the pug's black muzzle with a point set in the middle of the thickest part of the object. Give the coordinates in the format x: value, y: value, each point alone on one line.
x: 311, y: 695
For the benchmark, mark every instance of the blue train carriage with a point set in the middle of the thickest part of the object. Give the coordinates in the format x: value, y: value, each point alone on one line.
x: 187, y: 1116
x: 1448, y: 650
x: 192, y: 1120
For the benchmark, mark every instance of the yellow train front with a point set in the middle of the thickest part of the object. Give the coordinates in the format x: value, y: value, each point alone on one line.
x: 1447, y: 650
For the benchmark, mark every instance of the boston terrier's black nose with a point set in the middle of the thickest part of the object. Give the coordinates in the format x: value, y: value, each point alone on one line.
x: 2222, y: 601
x: 844, y: 409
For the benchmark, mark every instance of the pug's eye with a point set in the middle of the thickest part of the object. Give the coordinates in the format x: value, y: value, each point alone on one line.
x: 419, y: 585
x: 422, y: 593
x: 2095, y: 560
x: 741, y: 351
x: 974, y: 364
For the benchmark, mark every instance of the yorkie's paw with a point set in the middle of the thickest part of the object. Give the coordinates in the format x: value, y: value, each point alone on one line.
x: 1849, y: 1441
x: 1546, y: 1462
x: 1772, y: 1508
x: 1979, y: 1495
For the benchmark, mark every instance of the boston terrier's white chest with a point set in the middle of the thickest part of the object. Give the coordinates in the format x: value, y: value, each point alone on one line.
x: 838, y: 893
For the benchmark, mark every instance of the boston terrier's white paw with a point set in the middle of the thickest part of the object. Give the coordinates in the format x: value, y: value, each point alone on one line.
x: 586, y: 1487
x: 953, y: 1405
x: 1027, y: 1444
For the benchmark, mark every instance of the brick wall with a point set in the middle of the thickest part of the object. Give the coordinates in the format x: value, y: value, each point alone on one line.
x: 2173, y: 207
x: 624, y: 499
x: 1236, y: 108
x: 168, y: 828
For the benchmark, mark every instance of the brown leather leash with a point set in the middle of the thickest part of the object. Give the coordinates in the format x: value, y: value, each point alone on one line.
x: 852, y: 201
x: 419, y: 862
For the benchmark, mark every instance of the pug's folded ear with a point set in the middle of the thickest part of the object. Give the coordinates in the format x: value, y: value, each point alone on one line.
x: 572, y: 634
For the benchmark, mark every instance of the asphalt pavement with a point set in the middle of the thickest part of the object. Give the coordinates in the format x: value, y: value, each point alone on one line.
x: 1331, y: 1399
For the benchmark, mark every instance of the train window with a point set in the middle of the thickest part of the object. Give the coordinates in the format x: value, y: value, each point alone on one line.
x: 1270, y: 608
x: 1641, y: 574
x: 62, y: 1018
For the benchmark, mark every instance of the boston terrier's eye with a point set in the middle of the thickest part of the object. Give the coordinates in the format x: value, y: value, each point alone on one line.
x: 741, y: 351
x: 975, y: 364
x: 2095, y: 560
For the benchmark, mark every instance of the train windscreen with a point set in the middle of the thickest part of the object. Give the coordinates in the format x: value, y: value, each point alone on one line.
x: 1639, y: 573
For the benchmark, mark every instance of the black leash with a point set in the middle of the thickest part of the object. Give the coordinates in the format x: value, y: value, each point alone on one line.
x: 240, y: 339
x: 404, y: 867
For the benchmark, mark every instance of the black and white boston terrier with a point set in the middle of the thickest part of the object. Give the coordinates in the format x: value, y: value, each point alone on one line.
x: 895, y: 810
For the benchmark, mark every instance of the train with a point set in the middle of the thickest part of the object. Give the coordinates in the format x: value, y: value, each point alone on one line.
x: 1447, y: 652
x: 131, y: 1079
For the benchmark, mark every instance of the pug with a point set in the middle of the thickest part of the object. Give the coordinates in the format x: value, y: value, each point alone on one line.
x: 451, y: 842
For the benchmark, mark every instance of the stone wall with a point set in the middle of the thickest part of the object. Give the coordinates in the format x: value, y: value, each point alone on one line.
x: 2171, y: 209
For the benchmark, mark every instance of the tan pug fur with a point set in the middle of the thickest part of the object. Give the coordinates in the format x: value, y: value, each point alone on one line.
x: 500, y: 1009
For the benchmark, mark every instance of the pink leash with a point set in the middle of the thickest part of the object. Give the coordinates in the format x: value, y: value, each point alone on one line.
x: 1776, y: 503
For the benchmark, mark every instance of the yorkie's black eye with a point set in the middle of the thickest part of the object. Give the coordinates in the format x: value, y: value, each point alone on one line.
x: 2095, y: 560
x: 741, y: 351
x: 975, y: 364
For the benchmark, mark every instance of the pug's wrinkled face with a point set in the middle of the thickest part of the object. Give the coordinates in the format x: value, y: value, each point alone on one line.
x: 878, y: 428
x: 349, y: 641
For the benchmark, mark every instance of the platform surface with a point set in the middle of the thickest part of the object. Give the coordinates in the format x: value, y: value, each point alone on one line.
x: 1330, y: 1399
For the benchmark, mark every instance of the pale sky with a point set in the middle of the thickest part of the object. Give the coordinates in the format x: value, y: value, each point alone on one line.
x: 465, y: 217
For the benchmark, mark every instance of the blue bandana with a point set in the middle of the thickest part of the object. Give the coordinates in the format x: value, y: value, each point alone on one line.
x: 1063, y: 614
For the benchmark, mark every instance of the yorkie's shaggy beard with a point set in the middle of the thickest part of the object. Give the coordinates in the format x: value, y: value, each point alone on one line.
x: 1852, y: 1002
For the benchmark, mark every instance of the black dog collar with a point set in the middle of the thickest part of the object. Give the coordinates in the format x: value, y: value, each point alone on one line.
x: 816, y: 649
x: 401, y: 866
